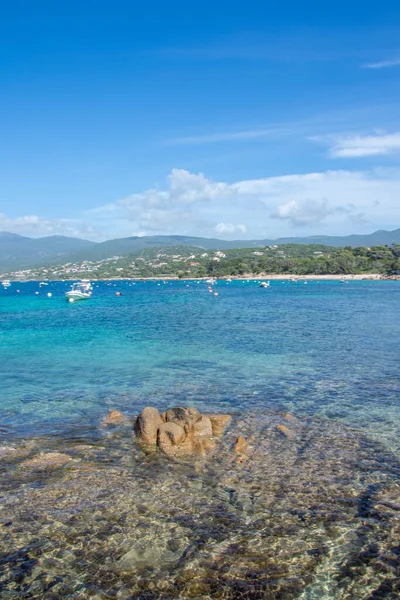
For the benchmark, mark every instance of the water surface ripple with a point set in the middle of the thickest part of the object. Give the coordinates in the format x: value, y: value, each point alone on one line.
x: 313, y: 516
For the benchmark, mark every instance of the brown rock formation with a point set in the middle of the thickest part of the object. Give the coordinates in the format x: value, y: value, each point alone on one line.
x: 240, y: 446
x: 219, y: 423
x: 180, y: 431
x: 182, y: 415
x: 147, y: 425
x: 169, y: 436
x: 114, y: 417
x: 202, y: 427
x: 243, y: 449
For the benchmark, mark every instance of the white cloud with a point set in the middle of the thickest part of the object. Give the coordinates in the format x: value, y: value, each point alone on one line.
x: 383, y: 64
x: 166, y: 211
x: 186, y: 188
x: 335, y: 202
x: 35, y: 226
x: 224, y: 228
x: 233, y: 136
x: 309, y: 212
x: 303, y: 212
x: 369, y: 145
x: 193, y: 204
x: 353, y: 146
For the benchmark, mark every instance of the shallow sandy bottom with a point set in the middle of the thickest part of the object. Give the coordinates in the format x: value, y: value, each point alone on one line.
x: 312, y: 516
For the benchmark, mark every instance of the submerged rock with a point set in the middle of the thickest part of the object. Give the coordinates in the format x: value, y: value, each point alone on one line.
x: 285, y: 431
x: 242, y: 448
x: 11, y: 452
x: 114, y: 417
x: 290, y: 417
x: 142, y: 557
x: 8, y: 451
x: 45, y: 461
x: 219, y: 423
x: 240, y: 445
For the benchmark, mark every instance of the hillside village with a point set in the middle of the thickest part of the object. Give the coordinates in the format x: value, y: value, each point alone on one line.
x: 186, y: 261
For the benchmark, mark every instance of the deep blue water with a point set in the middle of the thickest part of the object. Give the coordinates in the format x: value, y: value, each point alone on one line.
x: 323, y: 349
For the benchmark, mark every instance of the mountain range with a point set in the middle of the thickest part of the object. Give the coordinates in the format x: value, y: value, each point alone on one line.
x: 21, y: 252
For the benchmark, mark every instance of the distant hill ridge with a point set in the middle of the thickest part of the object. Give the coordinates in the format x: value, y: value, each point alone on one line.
x: 21, y: 252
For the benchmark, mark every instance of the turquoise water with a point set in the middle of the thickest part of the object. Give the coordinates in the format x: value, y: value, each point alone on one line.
x: 311, y: 515
x: 323, y: 349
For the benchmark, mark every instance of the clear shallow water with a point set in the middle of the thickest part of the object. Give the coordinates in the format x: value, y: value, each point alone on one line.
x: 310, y: 517
x: 327, y: 349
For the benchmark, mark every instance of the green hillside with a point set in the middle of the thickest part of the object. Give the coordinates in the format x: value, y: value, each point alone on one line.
x: 190, y: 261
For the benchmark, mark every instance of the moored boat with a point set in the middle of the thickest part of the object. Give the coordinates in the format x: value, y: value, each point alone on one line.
x: 81, y: 290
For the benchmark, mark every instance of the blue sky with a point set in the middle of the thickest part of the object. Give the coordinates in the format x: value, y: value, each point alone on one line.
x: 236, y: 120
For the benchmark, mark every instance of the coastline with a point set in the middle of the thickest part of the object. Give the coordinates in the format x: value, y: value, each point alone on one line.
x: 244, y: 277
x: 286, y: 276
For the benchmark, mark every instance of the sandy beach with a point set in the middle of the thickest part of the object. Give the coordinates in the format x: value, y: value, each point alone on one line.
x: 277, y: 276
x: 286, y: 276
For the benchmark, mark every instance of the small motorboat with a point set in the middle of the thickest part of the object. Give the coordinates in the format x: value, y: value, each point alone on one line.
x: 5, y: 283
x: 265, y: 284
x: 81, y: 290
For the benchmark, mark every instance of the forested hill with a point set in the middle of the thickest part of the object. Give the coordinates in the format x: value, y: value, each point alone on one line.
x: 20, y: 252
x: 184, y: 261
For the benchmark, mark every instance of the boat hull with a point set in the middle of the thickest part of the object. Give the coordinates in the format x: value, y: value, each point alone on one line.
x: 76, y: 296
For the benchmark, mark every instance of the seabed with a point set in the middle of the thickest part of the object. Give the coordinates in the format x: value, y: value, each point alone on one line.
x: 312, y: 515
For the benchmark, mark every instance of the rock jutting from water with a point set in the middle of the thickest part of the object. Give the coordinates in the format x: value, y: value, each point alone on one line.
x: 114, y: 417
x: 180, y: 431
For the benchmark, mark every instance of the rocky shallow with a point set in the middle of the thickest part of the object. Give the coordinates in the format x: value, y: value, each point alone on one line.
x: 276, y: 508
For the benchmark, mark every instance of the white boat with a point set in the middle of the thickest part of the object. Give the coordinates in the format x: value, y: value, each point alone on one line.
x: 81, y: 290
x: 43, y: 283
x: 5, y: 283
x: 265, y: 284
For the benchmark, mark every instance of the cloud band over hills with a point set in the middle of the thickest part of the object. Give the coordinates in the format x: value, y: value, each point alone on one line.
x: 333, y: 202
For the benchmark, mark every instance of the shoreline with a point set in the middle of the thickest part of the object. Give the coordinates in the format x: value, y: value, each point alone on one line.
x: 245, y: 277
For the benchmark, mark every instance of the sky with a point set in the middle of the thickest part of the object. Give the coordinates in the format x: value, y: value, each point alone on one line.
x: 237, y: 120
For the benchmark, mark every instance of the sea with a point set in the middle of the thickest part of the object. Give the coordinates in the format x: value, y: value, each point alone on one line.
x: 326, y: 352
